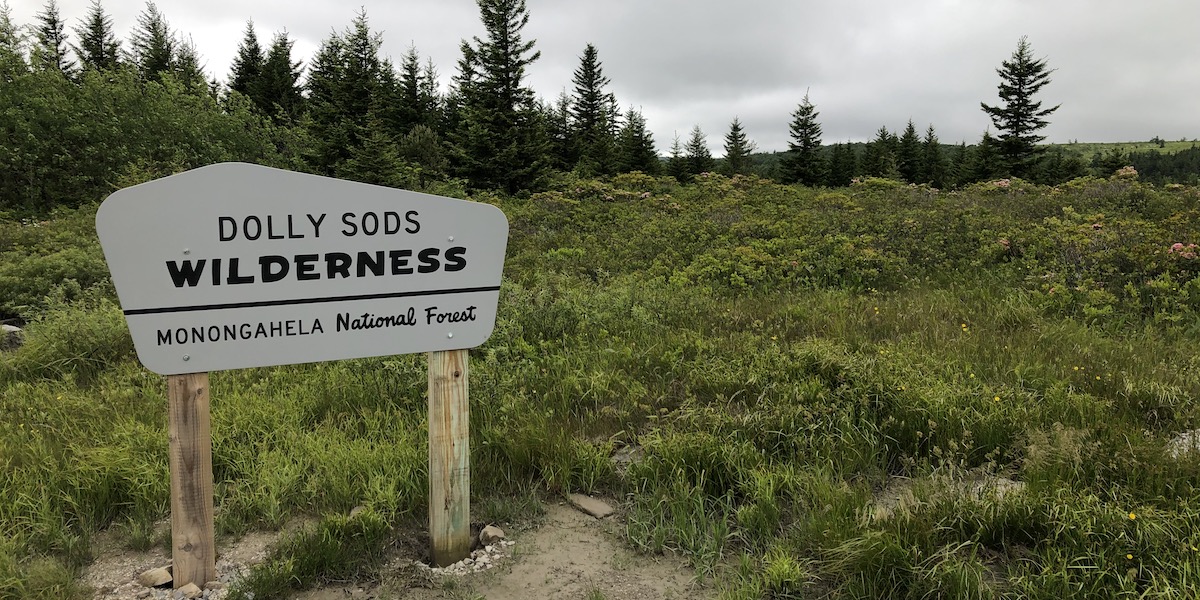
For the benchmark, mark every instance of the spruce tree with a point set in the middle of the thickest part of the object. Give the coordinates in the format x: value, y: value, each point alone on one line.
x: 1020, y: 117
x: 879, y: 157
x: 362, y: 71
x: 500, y: 139
x: 278, y: 93
x: 346, y: 98
x: 50, y: 49
x: 843, y: 165
x: 591, y: 115
x: 959, y: 171
x: 699, y: 158
x: 635, y: 146
x: 248, y: 66
x: 98, y: 48
x: 738, y: 148
x: 933, y: 164
x: 417, y: 104
x: 153, y: 44
x: 328, y: 130
x: 559, y: 139
x: 12, y: 46
x: 422, y: 148
x: 908, y: 157
x: 375, y: 159
x: 677, y: 163
x: 986, y: 162
x: 187, y: 68
x: 804, y: 162
x: 429, y: 97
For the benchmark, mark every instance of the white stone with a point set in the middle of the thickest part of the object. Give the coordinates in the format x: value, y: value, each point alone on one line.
x: 155, y: 577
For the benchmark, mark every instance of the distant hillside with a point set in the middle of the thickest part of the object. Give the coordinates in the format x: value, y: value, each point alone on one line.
x: 1087, y: 149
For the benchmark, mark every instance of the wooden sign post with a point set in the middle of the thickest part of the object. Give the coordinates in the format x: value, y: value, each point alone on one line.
x: 277, y: 268
x: 449, y: 458
x: 193, y: 547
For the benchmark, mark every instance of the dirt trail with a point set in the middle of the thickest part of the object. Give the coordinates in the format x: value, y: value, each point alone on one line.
x: 571, y: 555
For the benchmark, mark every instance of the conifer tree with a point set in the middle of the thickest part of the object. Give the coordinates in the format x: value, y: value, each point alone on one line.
x: 500, y: 139
x: 804, y: 162
x: 328, y: 130
x: 248, y: 66
x: 12, y: 46
x: 635, y: 146
x: 879, y: 157
x: 430, y: 97
x: 422, y: 148
x: 278, y: 93
x: 592, y: 115
x: 908, y: 157
x: 153, y: 44
x: 346, y: 99
x: 375, y: 159
x: 699, y: 158
x: 50, y: 49
x: 933, y: 164
x: 677, y: 164
x: 1020, y: 117
x: 417, y: 100
x: 361, y: 72
x: 1057, y: 166
x: 959, y: 171
x: 986, y: 161
x: 738, y: 149
x: 98, y: 48
x: 843, y: 165
x: 187, y: 68
x: 559, y: 139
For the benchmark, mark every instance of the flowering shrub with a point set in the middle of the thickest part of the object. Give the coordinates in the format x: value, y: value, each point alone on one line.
x: 1186, y: 252
x: 1127, y: 172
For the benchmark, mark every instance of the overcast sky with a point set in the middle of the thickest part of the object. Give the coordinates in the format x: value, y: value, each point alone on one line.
x: 1123, y: 70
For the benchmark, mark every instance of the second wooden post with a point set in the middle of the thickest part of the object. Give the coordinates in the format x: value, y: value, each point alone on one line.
x: 193, y: 551
x: 449, y: 458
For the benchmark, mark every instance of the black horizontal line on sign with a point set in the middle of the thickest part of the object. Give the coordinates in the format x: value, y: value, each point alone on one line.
x: 260, y: 304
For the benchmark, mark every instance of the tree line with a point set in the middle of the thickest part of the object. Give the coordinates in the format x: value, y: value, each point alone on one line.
x: 87, y: 112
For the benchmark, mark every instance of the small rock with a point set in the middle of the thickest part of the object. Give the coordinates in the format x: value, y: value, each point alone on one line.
x: 155, y: 577
x: 591, y: 506
x: 188, y: 591
x: 10, y: 337
x: 143, y: 594
x: 1184, y: 443
x: 214, y: 585
x: 490, y: 535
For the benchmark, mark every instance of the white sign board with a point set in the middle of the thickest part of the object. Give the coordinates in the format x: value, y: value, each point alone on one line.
x: 236, y: 265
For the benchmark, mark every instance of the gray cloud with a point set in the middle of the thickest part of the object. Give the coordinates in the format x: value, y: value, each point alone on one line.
x: 1124, y: 70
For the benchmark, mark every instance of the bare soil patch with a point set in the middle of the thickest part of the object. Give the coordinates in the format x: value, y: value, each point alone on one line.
x: 569, y: 555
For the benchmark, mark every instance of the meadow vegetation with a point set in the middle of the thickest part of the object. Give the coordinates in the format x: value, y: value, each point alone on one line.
x: 782, y: 357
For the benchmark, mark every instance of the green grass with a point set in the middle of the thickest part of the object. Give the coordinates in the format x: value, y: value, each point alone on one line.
x: 781, y: 356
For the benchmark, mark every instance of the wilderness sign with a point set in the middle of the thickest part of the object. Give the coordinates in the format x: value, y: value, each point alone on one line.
x: 236, y: 265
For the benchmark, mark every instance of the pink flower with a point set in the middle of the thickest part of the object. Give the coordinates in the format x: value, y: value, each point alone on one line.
x: 1176, y: 247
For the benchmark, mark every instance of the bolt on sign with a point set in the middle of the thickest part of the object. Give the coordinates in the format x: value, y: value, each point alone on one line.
x: 236, y: 265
